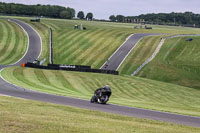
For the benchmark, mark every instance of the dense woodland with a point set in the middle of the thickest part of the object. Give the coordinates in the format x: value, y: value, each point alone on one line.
x: 37, y: 10
x: 187, y: 18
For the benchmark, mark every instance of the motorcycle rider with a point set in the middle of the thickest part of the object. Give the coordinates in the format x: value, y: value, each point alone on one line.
x: 106, y: 87
x: 99, y: 95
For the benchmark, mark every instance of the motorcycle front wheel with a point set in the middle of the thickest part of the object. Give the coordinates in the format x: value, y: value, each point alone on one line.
x: 103, y: 99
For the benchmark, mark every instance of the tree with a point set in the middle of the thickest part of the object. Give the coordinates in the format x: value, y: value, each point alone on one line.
x: 37, y: 10
x: 120, y: 18
x: 71, y: 12
x: 112, y: 18
x: 65, y: 14
x: 81, y: 15
x: 2, y: 7
x: 89, y: 16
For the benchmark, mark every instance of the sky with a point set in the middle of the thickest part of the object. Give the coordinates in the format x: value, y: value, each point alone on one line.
x: 102, y: 9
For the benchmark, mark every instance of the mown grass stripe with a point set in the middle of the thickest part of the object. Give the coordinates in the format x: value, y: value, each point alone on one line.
x: 7, y: 41
x: 18, y: 73
x: 13, y: 46
x: 3, y: 34
x: 67, y: 37
x: 10, y: 44
x: 62, y: 82
x: 53, y: 26
x: 12, y: 52
x: 70, y: 41
x: 86, y: 46
x: 140, y: 53
x: 78, y: 46
x: 177, y: 67
x: 44, y: 81
x: 62, y: 35
x: 91, y: 46
x: 113, y: 44
x: 102, y: 46
x: 37, y: 83
x: 126, y: 90
x: 120, y: 90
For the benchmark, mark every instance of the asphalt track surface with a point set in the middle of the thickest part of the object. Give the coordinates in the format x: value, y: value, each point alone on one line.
x: 15, y: 91
x: 114, y: 62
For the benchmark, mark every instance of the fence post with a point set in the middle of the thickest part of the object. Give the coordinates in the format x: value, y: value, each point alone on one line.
x: 50, y: 48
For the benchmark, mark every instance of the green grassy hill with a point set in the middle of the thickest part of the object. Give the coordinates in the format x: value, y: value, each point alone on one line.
x: 134, y: 92
x: 140, y: 54
x: 22, y: 116
x: 180, y: 66
x: 94, y: 45
x: 13, y: 42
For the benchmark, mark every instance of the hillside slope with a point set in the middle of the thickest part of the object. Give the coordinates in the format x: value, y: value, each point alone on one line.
x: 177, y: 62
x: 13, y: 42
x: 94, y: 45
x: 134, y: 92
x: 22, y: 116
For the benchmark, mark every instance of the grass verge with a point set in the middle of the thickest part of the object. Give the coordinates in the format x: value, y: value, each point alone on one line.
x: 12, y: 46
x: 143, y: 50
x: 26, y: 116
x: 177, y: 63
x: 94, y: 45
x: 134, y: 92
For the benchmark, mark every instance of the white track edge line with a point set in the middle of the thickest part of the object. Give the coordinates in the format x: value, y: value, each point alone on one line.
x: 33, y: 90
x: 87, y: 100
x: 102, y: 66
x: 129, y: 53
x: 117, y: 49
x: 132, y: 50
x: 154, y: 111
x: 5, y: 79
x: 27, y: 45
x: 162, y: 39
x: 38, y: 35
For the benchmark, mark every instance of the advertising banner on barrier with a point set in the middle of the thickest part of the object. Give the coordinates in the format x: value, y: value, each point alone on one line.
x: 78, y: 68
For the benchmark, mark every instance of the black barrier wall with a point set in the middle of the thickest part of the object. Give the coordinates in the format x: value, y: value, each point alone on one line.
x: 78, y: 68
x: 62, y: 66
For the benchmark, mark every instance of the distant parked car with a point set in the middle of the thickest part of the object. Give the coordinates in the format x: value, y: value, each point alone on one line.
x: 84, y: 28
x: 35, y: 20
x: 76, y: 27
x: 148, y: 27
x: 189, y: 39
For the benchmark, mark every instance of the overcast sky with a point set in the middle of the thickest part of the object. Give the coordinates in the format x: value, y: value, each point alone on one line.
x: 102, y: 9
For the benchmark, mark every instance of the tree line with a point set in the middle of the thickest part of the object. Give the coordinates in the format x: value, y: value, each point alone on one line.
x: 186, y: 18
x: 53, y: 11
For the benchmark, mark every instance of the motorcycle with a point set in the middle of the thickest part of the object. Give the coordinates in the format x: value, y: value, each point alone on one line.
x: 101, y: 96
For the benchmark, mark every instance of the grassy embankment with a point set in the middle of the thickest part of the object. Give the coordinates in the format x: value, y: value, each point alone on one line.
x: 22, y: 116
x: 89, y: 47
x: 139, y: 55
x: 134, y: 92
x: 13, y: 42
x: 94, y: 45
x: 180, y: 66
x: 144, y: 95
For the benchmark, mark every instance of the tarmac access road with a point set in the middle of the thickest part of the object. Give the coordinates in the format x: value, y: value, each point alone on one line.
x: 114, y: 62
x: 34, y: 43
x: 32, y: 54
